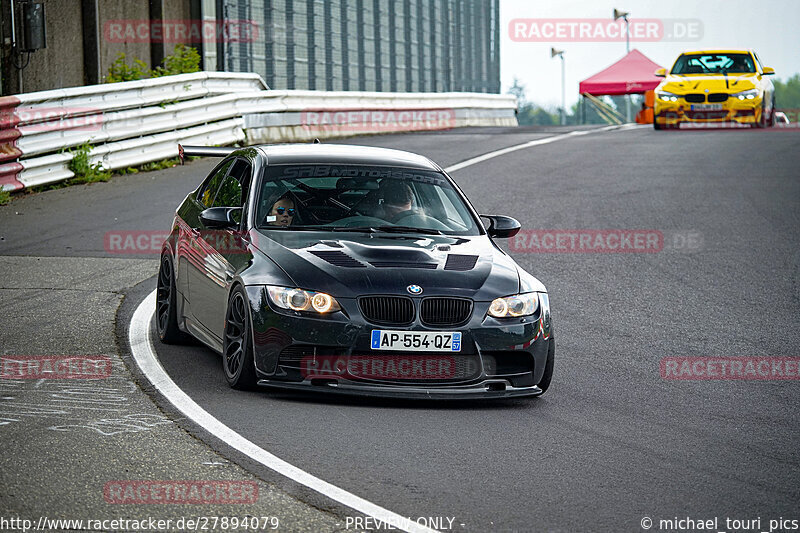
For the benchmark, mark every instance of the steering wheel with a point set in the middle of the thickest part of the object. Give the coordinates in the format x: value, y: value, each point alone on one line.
x: 356, y: 221
x: 419, y: 220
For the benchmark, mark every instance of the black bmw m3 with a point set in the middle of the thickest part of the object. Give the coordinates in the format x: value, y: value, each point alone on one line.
x: 355, y: 270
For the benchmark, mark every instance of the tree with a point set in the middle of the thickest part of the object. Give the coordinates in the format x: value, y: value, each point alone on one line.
x: 529, y: 114
x: 787, y: 94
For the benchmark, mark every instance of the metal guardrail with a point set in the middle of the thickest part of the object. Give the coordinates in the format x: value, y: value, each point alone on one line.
x: 128, y: 123
x: 132, y: 123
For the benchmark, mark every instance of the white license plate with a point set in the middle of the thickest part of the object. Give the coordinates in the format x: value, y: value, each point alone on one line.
x: 416, y: 341
x: 706, y: 107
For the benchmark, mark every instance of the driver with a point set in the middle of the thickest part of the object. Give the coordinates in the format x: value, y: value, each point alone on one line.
x: 398, y: 200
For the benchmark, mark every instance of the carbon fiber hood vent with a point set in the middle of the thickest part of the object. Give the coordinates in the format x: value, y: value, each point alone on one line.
x: 337, y: 258
x: 460, y: 263
x: 402, y: 264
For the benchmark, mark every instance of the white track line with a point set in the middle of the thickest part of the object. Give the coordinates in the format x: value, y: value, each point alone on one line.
x: 537, y: 142
x: 145, y: 357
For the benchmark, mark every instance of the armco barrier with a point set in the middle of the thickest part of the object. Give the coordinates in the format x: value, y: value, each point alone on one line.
x: 304, y: 115
x: 137, y: 122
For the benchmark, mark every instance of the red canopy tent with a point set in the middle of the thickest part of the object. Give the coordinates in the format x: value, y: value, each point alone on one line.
x: 633, y: 74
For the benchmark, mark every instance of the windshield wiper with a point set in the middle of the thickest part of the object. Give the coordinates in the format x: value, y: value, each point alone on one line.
x: 295, y: 228
x: 408, y: 229
x: 363, y: 229
x: 359, y: 229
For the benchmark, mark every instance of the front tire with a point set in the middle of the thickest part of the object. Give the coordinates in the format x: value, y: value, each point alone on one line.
x: 762, y: 120
x: 237, y: 347
x: 771, y: 122
x: 166, y: 307
x: 547, y: 377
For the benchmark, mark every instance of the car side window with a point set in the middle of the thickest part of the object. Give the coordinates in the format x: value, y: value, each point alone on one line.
x: 207, y: 193
x: 230, y: 194
x: 242, y: 173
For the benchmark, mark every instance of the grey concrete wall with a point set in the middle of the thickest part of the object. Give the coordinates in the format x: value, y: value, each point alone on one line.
x: 127, y: 12
x: 176, y: 11
x: 61, y: 64
x: 58, y: 65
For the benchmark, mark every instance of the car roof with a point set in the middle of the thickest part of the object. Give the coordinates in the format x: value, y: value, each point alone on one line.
x: 726, y: 51
x: 343, y: 154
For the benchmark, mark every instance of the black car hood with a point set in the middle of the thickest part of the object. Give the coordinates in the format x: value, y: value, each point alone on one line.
x: 348, y: 265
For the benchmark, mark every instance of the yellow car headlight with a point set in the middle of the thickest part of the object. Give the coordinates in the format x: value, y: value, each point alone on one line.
x: 667, y: 97
x: 752, y: 94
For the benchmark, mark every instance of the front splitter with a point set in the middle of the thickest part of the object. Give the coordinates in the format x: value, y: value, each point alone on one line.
x: 489, y: 389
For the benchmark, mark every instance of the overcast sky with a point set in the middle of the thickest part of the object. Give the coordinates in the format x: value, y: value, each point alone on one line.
x: 770, y: 27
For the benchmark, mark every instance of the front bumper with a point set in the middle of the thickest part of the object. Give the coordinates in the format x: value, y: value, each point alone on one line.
x: 484, y: 389
x: 498, y: 358
x: 733, y: 111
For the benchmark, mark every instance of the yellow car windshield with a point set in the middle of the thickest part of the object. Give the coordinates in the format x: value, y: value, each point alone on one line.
x: 714, y: 64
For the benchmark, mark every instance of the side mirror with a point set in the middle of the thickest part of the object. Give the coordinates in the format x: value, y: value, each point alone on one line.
x: 220, y: 217
x: 501, y: 226
x: 660, y: 73
x: 769, y: 71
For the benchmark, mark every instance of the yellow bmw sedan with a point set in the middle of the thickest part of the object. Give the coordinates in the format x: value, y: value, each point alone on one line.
x: 715, y: 86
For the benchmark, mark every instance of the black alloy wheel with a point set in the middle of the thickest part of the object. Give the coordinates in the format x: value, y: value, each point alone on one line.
x: 166, y: 308
x: 237, y: 352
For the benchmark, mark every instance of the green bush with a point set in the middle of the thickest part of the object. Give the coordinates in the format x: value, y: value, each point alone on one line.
x: 121, y: 71
x: 85, y: 171
x: 183, y: 60
x: 5, y: 197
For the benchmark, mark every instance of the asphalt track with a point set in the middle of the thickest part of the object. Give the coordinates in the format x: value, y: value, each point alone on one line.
x: 612, y: 441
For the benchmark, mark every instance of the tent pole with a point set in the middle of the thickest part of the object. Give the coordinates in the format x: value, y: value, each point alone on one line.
x: 563, y: 94
x: 628, y: 107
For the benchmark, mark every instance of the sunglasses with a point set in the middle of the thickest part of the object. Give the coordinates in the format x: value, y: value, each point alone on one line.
x: 282, y: 210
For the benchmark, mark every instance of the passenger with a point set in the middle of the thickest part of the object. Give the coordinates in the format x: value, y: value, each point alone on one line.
x: 282, y: 212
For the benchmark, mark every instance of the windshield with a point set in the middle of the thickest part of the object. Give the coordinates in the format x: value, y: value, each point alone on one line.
x: 361, y: 198
x: 714, y: 64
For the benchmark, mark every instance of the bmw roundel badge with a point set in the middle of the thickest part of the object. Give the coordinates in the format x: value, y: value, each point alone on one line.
x: 414, y: 289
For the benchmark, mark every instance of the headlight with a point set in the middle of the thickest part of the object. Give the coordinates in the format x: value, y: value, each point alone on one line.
x: 513, y: 306
x: 300, y: 300
x: 667, y: 97
x: 752, y: 94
